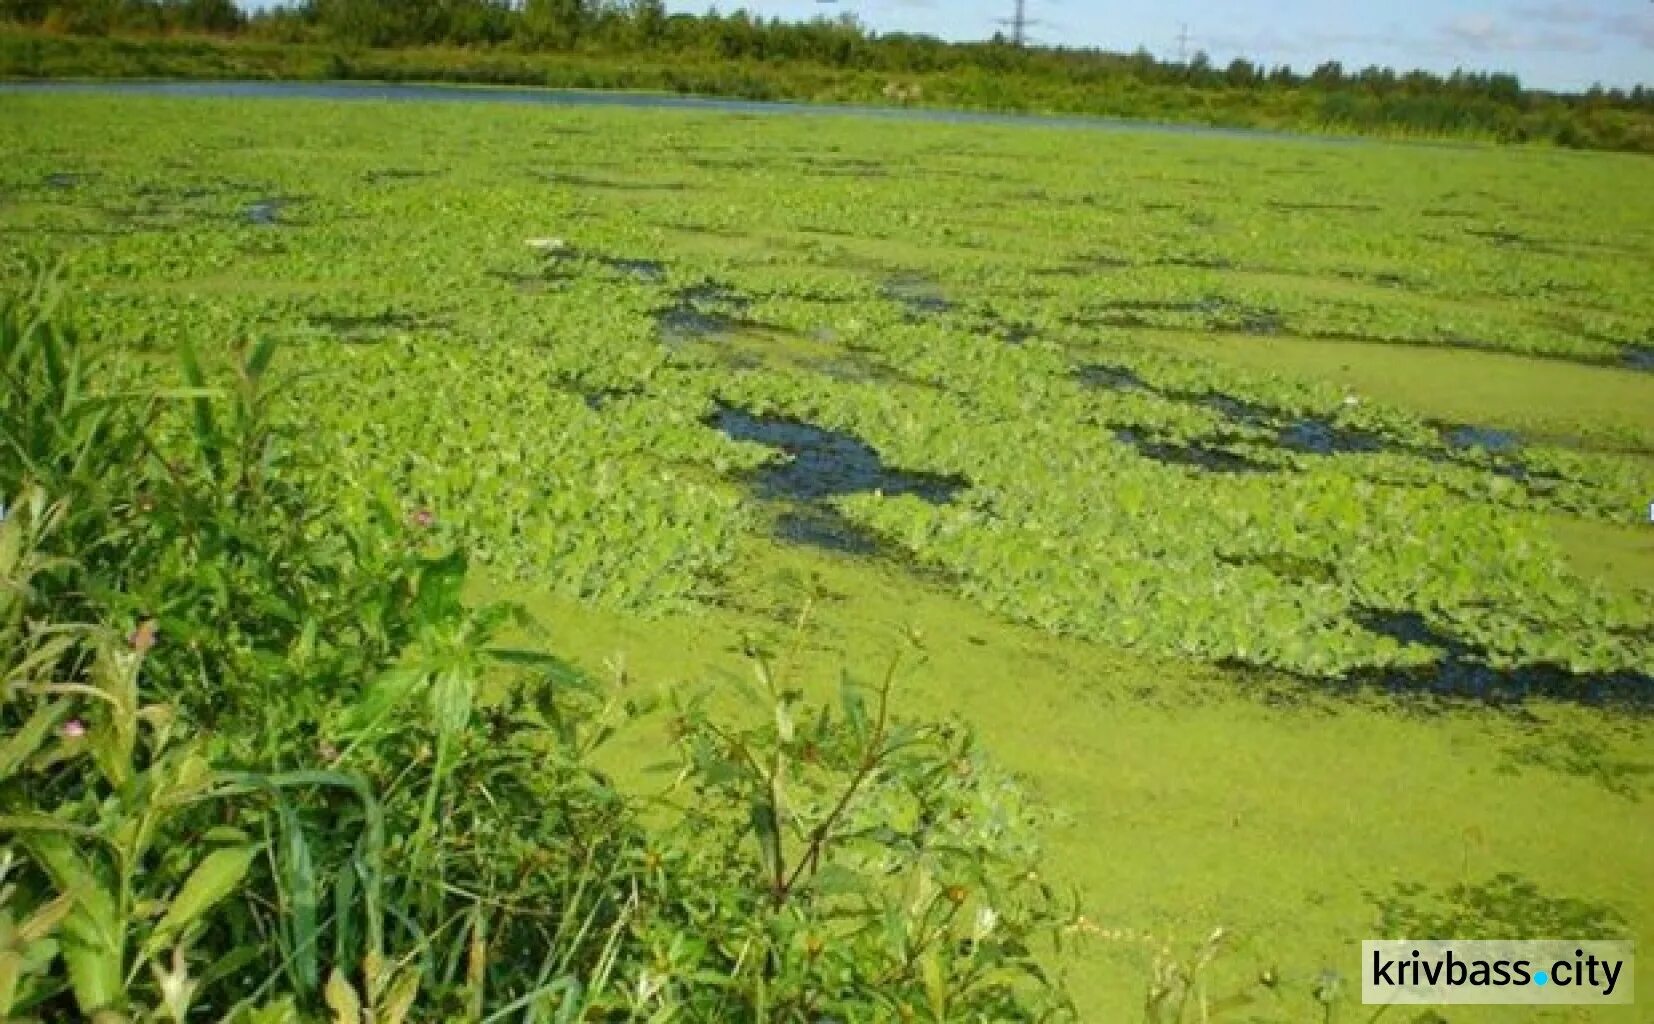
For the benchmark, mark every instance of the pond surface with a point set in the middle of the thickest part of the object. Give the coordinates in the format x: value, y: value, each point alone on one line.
x: 637, y: 100
x: 825, y: 463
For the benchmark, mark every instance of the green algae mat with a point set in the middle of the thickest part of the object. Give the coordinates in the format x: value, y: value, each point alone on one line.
x: 1280, y: 508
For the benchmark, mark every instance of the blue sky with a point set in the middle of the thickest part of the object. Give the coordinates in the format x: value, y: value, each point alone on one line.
x: 1553, y: 44
x: 1567, y: 44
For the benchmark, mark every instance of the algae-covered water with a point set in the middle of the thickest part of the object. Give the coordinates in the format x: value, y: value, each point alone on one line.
x: 1280, y: 511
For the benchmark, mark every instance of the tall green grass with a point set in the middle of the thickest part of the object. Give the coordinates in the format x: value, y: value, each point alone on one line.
x: 258, y: 763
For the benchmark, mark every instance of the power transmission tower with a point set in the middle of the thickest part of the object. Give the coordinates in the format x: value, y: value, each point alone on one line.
x: 1183, y: 42
x: 1019, y: 23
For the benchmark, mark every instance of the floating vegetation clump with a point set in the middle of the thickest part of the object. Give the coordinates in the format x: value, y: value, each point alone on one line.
x: 535, y: 355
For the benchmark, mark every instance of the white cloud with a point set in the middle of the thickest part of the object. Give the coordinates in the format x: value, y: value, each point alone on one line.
x: 1639, y: 28
x: 1559, y: 12
x: 1563, y: 26
x: 1480, y: 32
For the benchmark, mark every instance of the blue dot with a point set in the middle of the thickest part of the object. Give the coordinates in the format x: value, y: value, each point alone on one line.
x: 1541, y: 978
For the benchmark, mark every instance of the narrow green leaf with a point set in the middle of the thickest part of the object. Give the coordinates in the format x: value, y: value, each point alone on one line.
x: 214, y: 878
x: 30, y: 737
x: 259, y: 359
x: 345, y: 938
x: 298, y: 888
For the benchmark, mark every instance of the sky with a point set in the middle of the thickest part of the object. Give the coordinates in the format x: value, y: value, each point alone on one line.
x: 1551, y: 44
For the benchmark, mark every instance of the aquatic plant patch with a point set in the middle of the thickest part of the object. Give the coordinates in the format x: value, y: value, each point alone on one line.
x: 529, y: 325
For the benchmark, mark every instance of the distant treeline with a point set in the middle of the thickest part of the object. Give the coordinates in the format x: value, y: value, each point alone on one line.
x: 636, y: 43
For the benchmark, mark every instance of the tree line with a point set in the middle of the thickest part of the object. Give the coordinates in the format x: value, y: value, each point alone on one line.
x: 1488, y: 103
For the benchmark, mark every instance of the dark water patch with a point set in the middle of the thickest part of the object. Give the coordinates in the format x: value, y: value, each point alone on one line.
x: 1239, y: 410
x: 1211, y: 460
x: 1638, y: 357
x: 1464, y: 670
x: 650, y: 271
x: 1318, y: 436
x: 1493, y: 450
x: 1015, y: 333
x: 1489, y: 439
x: 562, y: 259
x: 1114, y: 378
x: 920, y: 295
x: 1307, y: 435
x: 703, y: 311
x: 1324, y: 207
x: 684, y: 323
x: 826, y: 528
x: 825, y: 463
x: 267, y: 213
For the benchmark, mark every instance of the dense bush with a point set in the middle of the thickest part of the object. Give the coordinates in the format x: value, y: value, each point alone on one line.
x: 261, y: 763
